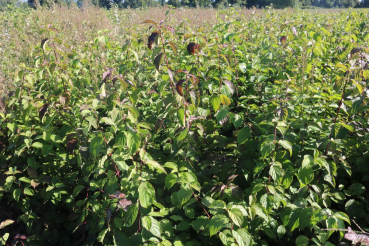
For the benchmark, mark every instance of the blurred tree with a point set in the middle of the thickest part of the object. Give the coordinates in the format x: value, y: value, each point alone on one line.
x: 11, y: 3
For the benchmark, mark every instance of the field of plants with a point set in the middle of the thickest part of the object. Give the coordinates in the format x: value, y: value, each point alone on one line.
x: 184, y: 127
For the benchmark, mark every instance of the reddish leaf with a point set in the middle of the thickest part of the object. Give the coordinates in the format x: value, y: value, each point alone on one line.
x: 107, y: 74
x: 231, y: 178
x: 118, y: 194
x: 179, y: 87
x: 42, y: 111
x: 356, y: 50
x: 152, y: 39
x: 71, y: 144
x: 192, y: 48
x: 124, y: 203
x: 149, y: 22
x: 170, y: 29
x: 283, y: 41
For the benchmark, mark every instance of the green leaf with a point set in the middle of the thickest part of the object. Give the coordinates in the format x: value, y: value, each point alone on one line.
x: 170, y: 180
x: 16, y: 194
x: 236, y: 216
x: 302, y: 241
x: 153, y: 164
x: 287, y: 145
x: 216, y: 223
x: 223, y: 238
x: 261, y: 211
x: 238, y: 238
x: 119, y: 238
x: 243, y: 135
x: 96, y: 145
x: 146, y: 222
x: 146, y: 194
x: 133, y: 141
x: 305, y: 175
x: 225, y: 100
x: 77, y: 190
x: 155, y: 227
x: 308, y: 161
x: 266, y: 148
x: 6, y: 223
x: 242, y: 67
x: 200, y: 223
x: 182, y: 135
x: 281, y: 230
x: 356, y: 189
x: 181, y: 116
x: 183, y: 195
x: 101, y: 236
x: 131, y: 215
x: 323, y: 163
x: 342, y: 216
x: 276, y: 172
x: 37, y: 145
x: 29, y: 192
x: 222, y: 114
x: 215, y: 103
x: 218, y: 204
x: 158, y: 60
x: 246, y: 236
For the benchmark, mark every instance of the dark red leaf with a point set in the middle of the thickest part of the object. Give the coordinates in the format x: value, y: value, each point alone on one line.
x: 152, y: 38
x: 179, y: 87
x: 222, y: 189
x: 215, y: 189
x: 42, y: 111
x: 283, y: 41
x: 192, y: 48
x: 71, y: 144
x: 356, y: 50
x: 43, y: 41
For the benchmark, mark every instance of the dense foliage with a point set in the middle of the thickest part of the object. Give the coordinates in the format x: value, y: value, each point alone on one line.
x: 247, y: 132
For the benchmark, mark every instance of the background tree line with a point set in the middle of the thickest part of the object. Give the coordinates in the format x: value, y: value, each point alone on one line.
x: 194, y: 3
